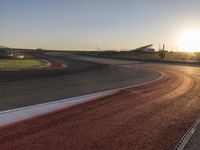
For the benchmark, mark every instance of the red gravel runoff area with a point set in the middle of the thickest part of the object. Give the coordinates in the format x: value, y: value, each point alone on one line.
x: 152, y: 116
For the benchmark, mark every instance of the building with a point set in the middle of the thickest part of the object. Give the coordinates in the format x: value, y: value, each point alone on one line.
x: 5, y: 52
x: 147, y: 48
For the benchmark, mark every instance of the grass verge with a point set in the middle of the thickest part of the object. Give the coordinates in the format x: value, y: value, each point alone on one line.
x: 22, y: 63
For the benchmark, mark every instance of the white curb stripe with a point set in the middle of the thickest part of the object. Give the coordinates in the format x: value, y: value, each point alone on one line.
x: 11, y: 116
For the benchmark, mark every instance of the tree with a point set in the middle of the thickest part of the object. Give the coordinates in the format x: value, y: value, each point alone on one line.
x: 161, y: 54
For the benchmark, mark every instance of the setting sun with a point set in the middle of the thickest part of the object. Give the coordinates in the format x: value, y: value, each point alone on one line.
x: 189, y: 41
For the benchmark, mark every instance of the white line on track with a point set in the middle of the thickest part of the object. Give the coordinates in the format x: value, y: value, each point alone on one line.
x: 184, y: 140
x: 14, y: 115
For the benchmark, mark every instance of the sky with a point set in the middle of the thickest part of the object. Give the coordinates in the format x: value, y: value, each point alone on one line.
x: 88, y: 24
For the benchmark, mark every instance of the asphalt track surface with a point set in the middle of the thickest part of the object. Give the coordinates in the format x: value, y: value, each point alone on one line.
x: 52, y: 71
x: 79, y: 78
x: 152, y: 116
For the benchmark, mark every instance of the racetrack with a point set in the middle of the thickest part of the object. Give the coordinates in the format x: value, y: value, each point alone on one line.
x: 151, y: 116
x: 80, y: 78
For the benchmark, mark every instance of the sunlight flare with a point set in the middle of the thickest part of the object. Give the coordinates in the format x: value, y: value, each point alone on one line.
x: 189, y: 41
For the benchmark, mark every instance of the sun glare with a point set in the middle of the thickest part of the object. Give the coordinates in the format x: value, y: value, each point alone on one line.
x: 189, y: 41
